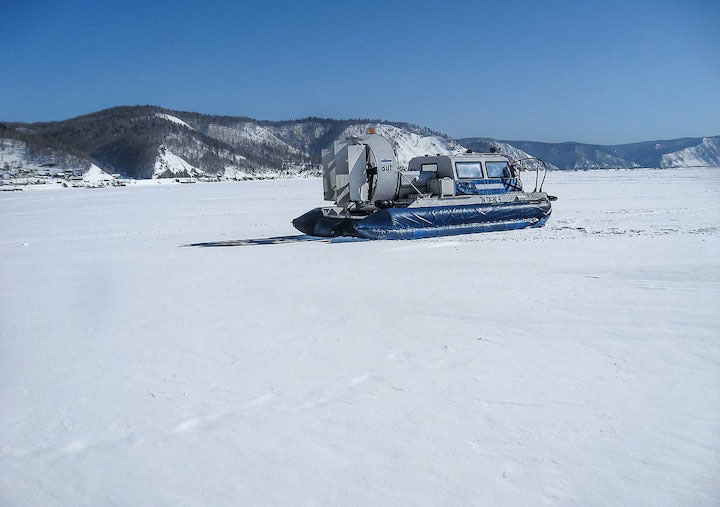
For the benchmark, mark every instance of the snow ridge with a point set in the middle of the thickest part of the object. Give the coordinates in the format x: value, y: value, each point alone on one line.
x: 173, y: 119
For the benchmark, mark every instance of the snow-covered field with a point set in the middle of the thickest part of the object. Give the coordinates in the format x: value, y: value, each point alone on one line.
x: 574, y: 364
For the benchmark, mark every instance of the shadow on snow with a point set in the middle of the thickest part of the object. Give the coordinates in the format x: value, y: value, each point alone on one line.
x: 275, y: 240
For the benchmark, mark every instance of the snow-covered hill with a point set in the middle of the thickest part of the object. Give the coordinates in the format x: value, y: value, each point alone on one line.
x: 26, y: 162
x: 169, y: 165
x: 407, y: 144
x: 150, y: 142
x: 249, y: 134
x: 684, y: 152
x: 707, y: 153
x: 19, y: 158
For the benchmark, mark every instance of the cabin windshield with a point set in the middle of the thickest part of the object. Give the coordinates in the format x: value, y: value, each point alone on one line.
x: 498, y: 169
x: 469, y: 169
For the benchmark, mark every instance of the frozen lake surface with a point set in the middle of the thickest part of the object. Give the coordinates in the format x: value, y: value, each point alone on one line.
x: 574, y: 364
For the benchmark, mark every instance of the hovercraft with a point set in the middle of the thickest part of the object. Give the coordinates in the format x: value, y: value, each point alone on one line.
x: 440, y: 195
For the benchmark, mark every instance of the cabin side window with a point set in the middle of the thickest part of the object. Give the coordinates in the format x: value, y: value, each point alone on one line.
x: 498, y: 169
x: 466, y: 170
x: 427, y: 172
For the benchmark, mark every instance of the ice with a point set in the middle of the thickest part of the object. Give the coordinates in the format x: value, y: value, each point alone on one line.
x: 573, y: 364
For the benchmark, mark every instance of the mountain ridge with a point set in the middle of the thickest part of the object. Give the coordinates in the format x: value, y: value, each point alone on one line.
x: 148, y: 141
x: 151, y: 141
x: 653, y: 154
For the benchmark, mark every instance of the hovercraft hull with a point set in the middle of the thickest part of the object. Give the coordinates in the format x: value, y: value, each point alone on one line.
x: 426, y: 222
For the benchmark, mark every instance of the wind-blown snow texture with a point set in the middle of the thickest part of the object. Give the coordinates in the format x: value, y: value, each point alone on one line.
x: 577, y: 363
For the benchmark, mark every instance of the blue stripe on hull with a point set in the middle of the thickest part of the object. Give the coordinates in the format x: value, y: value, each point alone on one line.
x: 452, y: 230
x: 412, y: 223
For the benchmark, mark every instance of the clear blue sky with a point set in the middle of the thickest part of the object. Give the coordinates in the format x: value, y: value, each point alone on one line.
x: 602, y: 71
